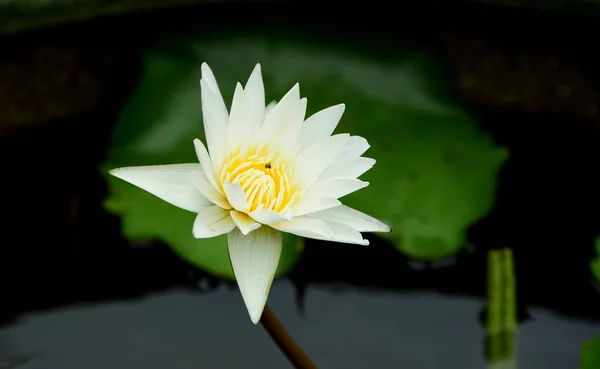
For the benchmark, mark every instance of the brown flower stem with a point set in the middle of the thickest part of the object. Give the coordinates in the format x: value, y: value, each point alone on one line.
x: 285, y: 342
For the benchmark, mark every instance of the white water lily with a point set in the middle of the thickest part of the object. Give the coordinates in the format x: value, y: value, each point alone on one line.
x: 267, y: 170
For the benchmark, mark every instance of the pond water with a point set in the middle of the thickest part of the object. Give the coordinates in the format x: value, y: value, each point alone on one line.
x: 349, y: 328
x: 77, y: 294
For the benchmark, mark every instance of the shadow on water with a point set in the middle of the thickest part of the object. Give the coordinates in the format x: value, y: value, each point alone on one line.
x: 60, y: 247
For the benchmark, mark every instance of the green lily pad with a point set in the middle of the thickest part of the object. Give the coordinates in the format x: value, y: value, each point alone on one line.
x: 157, y: 127
x: 435, y: 173
x: 590, y: 354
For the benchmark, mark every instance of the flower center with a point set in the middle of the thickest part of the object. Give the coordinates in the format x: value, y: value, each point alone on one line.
x: 263, y: 176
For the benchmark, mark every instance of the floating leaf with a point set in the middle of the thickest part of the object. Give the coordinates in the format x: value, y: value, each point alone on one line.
x: 436, y: 170
x: 435, y: 173
x: 590, y: 354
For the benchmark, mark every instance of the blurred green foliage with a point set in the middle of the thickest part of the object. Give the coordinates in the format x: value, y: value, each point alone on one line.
x: 590, y: 354
x: 435, y: 173
x: 20, y: 15
x: 596, y: 262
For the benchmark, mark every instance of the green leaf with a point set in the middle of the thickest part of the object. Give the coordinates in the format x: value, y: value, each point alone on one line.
x: 436, y: 170
x: 590, y: 354
x: 596, y: 267
x: 158, y: 126
x: 435, y: 173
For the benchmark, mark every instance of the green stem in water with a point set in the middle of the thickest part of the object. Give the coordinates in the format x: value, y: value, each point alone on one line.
x: 501, y: 325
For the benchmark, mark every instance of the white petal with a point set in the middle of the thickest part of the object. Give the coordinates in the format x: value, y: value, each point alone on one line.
x: 355, y: 147
x: 236, y: 197
x: 321, y: 124
x: 350, y: 168
x: 244, y: 222
x: 171, y: 183
x: 215, y: 118
x: 265, y: 216
x: 207, y: 165
x: 208, y: 190
x: 218, y: 107
x: 316, y: 196
x: 254, y: 259
x: 269, y: 108
x: 287, y: 126
x: 345, y: 234
x: 321, y: 230
x: 255, y: 95
x: 240, y: 129
x: 314, y: 205
x: 317, y: 156
x: 279, y: 116
x: 305, y: 227
x: 336, y: 187
x: 352, y: 218
x: 286, y: 135
x: 212, y: 221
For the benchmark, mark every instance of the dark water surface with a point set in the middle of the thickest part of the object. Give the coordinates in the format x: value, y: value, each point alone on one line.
x: 352, y: 328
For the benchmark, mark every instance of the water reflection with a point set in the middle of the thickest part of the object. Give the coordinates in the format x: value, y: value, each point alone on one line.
x: 354, y: 328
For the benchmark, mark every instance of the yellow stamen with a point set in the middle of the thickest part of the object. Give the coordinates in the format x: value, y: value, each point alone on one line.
x: 264, y: 177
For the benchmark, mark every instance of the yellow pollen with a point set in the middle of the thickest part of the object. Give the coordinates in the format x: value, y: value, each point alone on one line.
x: 265, y: 179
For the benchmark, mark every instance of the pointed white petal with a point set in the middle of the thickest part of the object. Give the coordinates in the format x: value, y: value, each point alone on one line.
x: 215, y: 118
x: 269, y: 108
x: 254, y: 259
x: 236, y: 197
x: 321, y: 124
x: 208, y: 190
x: 317, y: 156
x: 212, y: 221
x: 268, y: 217
x: 240, y: 129
x: 321, y: 193
x: 314, y: 205
x: 171, y: 183
x: 352, y: 218
x: 255, y: 96
x: 305, y: 227
x: 279, y: 116
x: 213, y: 101
x: 355, y: 147
x: 289, y: 131
x: 343, y: 233
x: 350, y: 168
x: 244, y: 223
x: 335, y: 187
x: 218, y: 107
x: 321, y: 230
x: 207, y: 165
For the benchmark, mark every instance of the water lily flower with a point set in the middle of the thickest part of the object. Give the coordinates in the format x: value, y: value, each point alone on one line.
x: 267, y: 170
